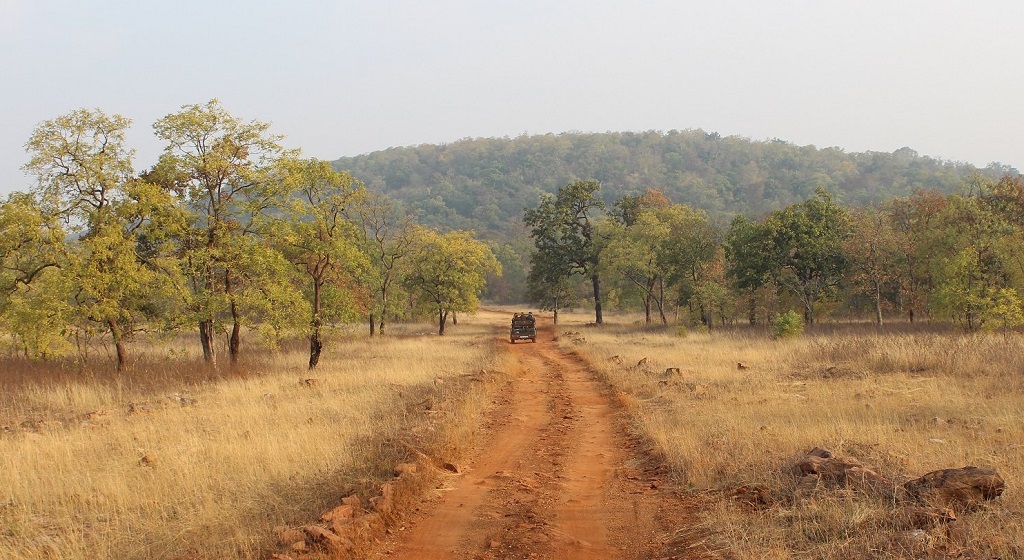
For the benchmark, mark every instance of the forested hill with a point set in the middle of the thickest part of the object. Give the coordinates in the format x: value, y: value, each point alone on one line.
x: 484, y: 184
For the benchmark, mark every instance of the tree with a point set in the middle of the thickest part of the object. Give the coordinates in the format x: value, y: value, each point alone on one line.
x: 86, y: 177
x: 973, y: 272
x: 807, y: 248
x: 390, y: 233
x: 749, y: 266
x: 690, y: 253
x: 35, y: 304
x: 218, y: 166
x: 319, y: 239
x: 550, y: 286
x: 450, y: 270
x: 916, y: 222
x: 873, y: 253
x: 563, y: 230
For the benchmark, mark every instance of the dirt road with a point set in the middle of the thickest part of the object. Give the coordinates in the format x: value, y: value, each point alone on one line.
x: 557, y: 477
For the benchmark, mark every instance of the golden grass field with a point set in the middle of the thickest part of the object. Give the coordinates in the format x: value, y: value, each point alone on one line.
x: 903, y: 403
x: 168, y: 461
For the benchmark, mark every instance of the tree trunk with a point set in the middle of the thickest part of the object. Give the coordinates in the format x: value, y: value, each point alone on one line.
x: 647, y: 310
x: 373, y: 325
x: 660, y: 300
x: 122, y: 354
x: 554, y: 320
x: 442, y: 318
x: 315, y: 344
x: 596, y: 281
x: 206, y: 339
x: 315, y: 347
x: 878, y: 303
x: 235, y: 341
x: 455, y: 318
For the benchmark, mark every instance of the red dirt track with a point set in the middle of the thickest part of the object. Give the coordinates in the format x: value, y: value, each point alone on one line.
x: 557, y: 476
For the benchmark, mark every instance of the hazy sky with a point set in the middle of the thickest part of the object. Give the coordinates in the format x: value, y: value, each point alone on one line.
x: 342, y: 78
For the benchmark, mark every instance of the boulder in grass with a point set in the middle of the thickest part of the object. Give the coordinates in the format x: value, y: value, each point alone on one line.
x: 835, y: 472
x: 957, y: 489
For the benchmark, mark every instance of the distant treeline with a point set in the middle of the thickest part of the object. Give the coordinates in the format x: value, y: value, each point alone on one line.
x: 483, y: 184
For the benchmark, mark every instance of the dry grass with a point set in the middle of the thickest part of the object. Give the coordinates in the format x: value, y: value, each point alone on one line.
x: 902, y: 403
x: 169, y: 462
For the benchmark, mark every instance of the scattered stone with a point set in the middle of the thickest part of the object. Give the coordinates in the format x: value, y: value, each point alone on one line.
x: 343, y: 511
x: 353, y: 501
x: 451, y: 467
x: 960, y: 490
x: 384, y: 503
x: 438, y: 381
x: 672, y: 371
x: 741, y: 365
x: 616, y: 359
x: 642, y: 363
x: 147, y: 460
x: 835, y: 472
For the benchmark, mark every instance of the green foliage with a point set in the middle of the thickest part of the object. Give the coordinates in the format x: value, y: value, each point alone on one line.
x: 564, y: 231
x: 805, y: 248
x: 450, y: 270
x: 484, y: 183
x: 787, y: 325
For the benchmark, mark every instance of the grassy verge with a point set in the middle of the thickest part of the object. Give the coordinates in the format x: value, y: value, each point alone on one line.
x: 165, y: 462
x: 901, y: 403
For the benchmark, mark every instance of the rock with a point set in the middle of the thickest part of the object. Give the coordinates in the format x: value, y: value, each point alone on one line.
x: 672, y: 371
x: 353, y: 501
x: 343, y: 511
x: 384, y: 503
x: 451, y: 467
x: 402, y: 469
x: 923, y: 517
x: 741, y: 365
x: 616, y: 359
x: 960, y: 490
x: 147, y: 460
x: 835, y: 472
x: 642, y: 363
x: 328, y: 539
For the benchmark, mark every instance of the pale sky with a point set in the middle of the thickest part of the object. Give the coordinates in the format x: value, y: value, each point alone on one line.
x: 943, y: 77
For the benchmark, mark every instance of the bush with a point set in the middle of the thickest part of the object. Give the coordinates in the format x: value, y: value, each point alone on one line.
x: 787, y: 324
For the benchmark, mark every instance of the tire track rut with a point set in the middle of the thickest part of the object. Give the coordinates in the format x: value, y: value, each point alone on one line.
x: 556, y: 478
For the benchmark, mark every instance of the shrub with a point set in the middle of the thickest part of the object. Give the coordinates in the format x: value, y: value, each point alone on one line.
x: 787, y: 325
